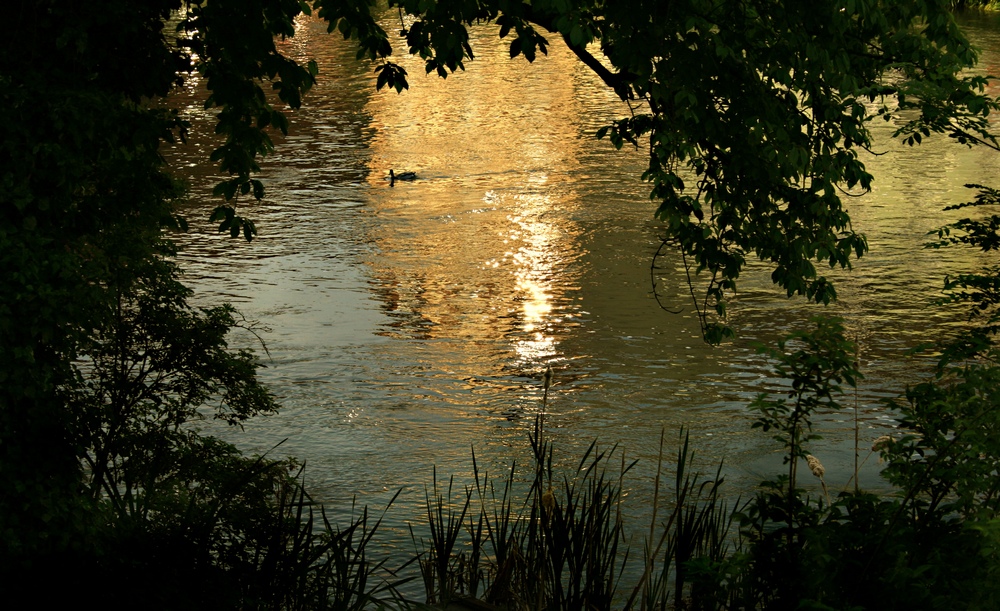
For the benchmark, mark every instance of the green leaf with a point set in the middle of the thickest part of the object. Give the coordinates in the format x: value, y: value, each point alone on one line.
x: 222, y: 213
x: 515, y: 48
x: 258, y: 189
x: 249, y: 230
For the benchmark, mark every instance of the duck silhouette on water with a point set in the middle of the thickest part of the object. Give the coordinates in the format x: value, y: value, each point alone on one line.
x: 393, y: 177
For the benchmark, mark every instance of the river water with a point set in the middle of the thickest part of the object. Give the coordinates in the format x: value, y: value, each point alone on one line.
x: 406, y: 325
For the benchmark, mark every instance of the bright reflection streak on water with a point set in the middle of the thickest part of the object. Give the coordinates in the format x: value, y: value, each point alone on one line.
x: 410, y: 323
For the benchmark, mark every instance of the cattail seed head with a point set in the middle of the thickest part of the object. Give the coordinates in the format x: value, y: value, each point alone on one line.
x: 547, y: 377
x: 815, y: 466
x: 882, y: 443
x: 548, y: 504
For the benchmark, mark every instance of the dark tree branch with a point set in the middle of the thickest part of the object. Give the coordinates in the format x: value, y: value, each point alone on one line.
x: 619, y: 81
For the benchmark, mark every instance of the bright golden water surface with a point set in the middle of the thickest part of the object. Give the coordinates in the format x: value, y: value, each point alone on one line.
x: 407, y: 324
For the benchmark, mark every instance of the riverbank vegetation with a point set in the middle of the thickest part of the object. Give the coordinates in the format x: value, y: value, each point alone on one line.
x: 753, y: 114
x: 929, y: 544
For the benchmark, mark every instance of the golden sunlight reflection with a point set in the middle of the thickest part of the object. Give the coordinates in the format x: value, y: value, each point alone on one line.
x: 481, y: 253
x: 533, y: 262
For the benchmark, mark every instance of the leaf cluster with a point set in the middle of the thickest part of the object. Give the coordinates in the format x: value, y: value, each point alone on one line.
x: 979, y: 289
x: 931, y: 545
x: 104, y: 367
x: 814, y: 364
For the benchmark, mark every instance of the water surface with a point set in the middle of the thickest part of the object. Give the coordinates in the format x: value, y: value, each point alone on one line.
x: 406, y: 325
